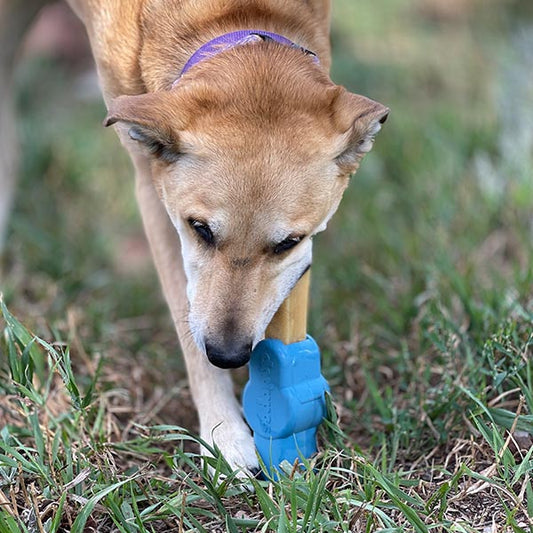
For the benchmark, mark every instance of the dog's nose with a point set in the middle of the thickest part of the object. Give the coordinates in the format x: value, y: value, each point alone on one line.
x: 232, y: 355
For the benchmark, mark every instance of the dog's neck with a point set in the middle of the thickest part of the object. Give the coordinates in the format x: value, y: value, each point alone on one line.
x: 172, y: 31
x: 235, y: 39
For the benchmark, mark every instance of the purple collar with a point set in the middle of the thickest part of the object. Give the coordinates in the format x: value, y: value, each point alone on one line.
x: 237, y: 38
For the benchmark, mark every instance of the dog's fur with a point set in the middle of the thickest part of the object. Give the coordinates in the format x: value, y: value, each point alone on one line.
x: 237, y: 167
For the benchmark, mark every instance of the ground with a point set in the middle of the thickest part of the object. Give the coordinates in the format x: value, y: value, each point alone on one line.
x: 421, y: 303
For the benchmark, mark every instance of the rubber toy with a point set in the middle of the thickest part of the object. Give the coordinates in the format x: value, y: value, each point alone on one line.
x: 284, y: 400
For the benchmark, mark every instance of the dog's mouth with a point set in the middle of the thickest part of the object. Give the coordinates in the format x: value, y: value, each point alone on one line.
x: 230, y: 348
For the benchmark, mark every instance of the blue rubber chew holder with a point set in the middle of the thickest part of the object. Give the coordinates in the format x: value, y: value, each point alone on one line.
x: 284, y: 400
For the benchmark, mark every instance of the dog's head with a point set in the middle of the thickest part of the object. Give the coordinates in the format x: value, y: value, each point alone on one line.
x: 250, y: 159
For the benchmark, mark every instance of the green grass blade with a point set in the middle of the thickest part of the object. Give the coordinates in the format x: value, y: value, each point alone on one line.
x: 81, y: 519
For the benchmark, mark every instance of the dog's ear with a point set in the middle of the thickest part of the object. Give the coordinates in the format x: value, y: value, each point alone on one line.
x: 358, y: 119
x: 152, y: 119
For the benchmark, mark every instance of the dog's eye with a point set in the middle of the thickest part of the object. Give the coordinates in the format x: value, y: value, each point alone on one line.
x: 202, y: 230
x: 286, y: 244
x: 163, y: 150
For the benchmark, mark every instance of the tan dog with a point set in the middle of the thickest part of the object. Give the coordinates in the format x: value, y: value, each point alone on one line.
x: 239, y: 162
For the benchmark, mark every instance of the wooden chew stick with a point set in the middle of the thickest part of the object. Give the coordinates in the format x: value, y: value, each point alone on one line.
x: 289, y: 324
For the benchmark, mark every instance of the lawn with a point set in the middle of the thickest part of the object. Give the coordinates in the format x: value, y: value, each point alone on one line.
x: 422, y: 304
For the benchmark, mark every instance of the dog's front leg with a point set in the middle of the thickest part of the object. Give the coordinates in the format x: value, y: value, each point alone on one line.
x: 219, y: 412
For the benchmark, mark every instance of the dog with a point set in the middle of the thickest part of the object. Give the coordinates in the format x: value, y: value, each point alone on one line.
x: 242, y: 148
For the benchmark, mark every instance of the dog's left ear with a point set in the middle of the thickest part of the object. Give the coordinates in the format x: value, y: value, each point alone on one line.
x: 359, y: 119
x: 153, y: 120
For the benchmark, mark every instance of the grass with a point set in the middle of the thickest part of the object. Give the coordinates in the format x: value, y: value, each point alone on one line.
x: 422, y: 305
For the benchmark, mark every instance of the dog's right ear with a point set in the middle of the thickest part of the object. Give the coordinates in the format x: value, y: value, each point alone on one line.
x: 152, y: 119
x: 359, y: 119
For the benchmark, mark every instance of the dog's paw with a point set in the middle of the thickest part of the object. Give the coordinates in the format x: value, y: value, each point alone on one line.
x: 236, y: 444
